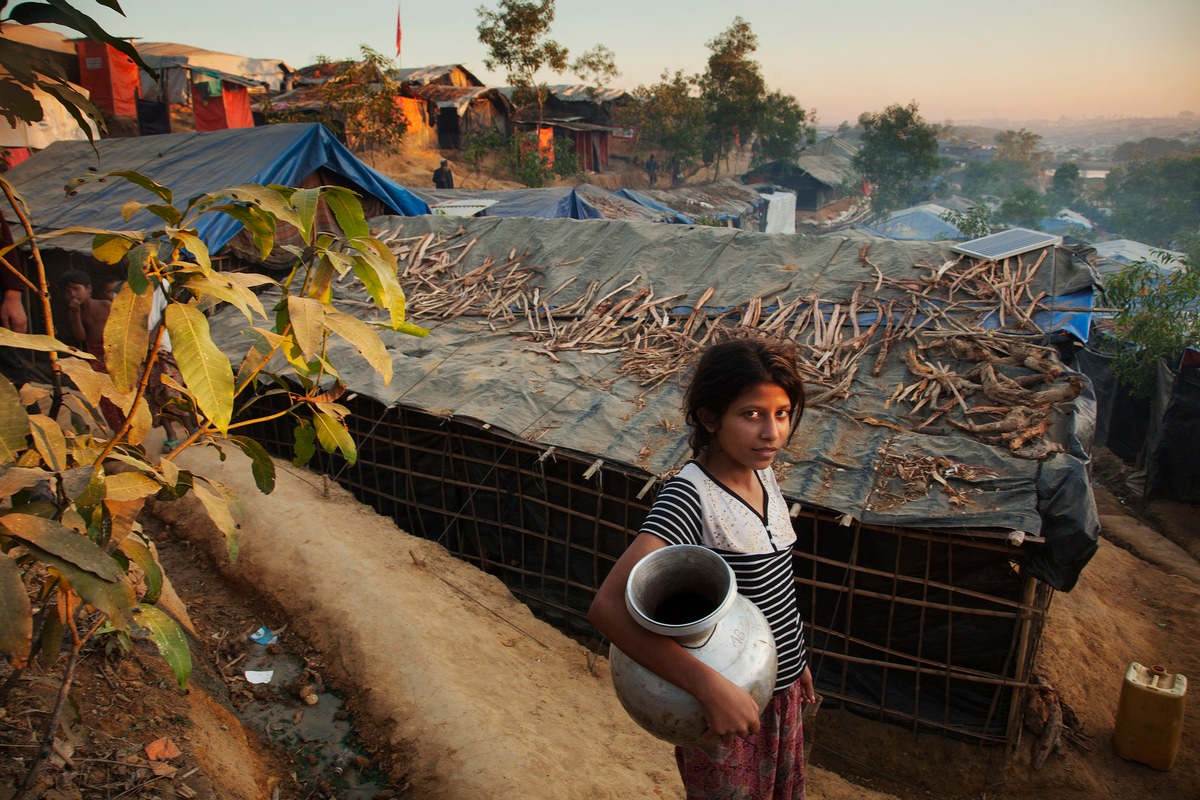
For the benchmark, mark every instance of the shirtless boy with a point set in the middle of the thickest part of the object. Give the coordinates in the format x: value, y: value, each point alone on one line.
x: 86, y: 314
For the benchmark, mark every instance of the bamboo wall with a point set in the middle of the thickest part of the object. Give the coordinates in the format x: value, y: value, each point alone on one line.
x: 932, y: 630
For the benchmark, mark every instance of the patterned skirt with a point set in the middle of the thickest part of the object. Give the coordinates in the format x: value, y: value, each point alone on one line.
x: 767, y: 766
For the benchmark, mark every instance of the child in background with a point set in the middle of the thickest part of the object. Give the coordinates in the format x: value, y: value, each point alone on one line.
x: 743, y: 403
x: 86, y: 314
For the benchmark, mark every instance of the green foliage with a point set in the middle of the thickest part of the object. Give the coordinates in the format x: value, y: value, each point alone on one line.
x: 1158, y: 317
x: 516, y: 35
x: 974, y: 224
x: 1024, y: 207
x: 732, y: 87
x: 1156, y: 201
x: 20, y: 74
x: 72, y: 486
x: 1066, y: 186
x: 525, y: 163
x: 782, y: 128
x: 995, y: 178
x: 363, y: 101
x: 1149, y: 149
x: 670, y: 115
x: 597, y: 67
x: 1020, y: 146
x: 477, y: 148
x: 899, y: 149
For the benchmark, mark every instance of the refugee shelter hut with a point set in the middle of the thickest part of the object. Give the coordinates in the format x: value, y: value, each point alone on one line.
x: 819, y: 174
x: 465, y: 111
x: 438, y: 75
x: 722, y: 202
x: 174, y: 62
x: 189, y: 164
x: 220, y: 100
x: 920, y: 223
x: 938, y: 478
x: 556, y: 202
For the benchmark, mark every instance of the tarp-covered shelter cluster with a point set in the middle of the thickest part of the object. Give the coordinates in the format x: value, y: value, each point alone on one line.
x: 189, y: 164
x: 819, y: 174
x: 920, y: 223
x: 938, y: 477
x: 557, y: 202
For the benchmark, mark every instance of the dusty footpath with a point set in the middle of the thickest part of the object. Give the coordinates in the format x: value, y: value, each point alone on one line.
x: 481, y: 698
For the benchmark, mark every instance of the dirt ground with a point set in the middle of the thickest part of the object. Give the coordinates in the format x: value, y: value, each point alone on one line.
x: 472, y: 696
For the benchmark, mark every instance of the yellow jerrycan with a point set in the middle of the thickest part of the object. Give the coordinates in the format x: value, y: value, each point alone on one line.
x: 1150, y: 716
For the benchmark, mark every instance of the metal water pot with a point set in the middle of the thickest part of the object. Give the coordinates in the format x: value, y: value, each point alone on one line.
x: 689, y: 593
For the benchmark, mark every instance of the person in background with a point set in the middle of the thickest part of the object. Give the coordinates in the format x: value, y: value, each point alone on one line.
x: 107, y: 286
x: 651, y: 169
x: 86, y: 314
x: 743, y: 404
x: 443, y: 178
x: 12, y: 309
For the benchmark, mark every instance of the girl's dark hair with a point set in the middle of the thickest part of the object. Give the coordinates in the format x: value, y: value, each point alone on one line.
x: 727, y: 369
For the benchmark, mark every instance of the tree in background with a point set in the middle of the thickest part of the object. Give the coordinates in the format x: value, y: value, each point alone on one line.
x: 732, y: 88
x: 782, y: 128
x: 899, y: 150
x: 670, y: 115
x: 1066, y: 186
x: 1023, y: 207
x: 1149, y: 148
x: 597, y: 68
x: 1157, y: 319
x: 1157, y: 202
x: 974, y: 224
x: 363, y: 101
x: 517, y: 38
x: 1020, y: 146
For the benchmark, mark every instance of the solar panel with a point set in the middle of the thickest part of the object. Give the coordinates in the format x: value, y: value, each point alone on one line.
x: 1006, y: 243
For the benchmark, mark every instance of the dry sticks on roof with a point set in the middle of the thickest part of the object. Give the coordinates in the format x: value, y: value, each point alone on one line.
x: 657, y: 337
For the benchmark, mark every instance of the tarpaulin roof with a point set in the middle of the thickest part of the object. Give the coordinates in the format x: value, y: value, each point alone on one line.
x: 557, y: 202
x: 261, y: 70
x: 496, y: 369
x: 721, y: 199
x: 921, y: 223
x: 188, y: 164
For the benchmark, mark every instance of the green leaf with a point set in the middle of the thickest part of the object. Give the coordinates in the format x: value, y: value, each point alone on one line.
x: 114, y: 598
x: 168, y: 637
x: 198, y: 249
x: 348, y: 212
x: 15, y: 479
x: 127, y: 486
x: 52, y: 639
x: 332, y: 435
x: 364, y: 339
x: 14, y: 422
x: 141, y: 554
x: 138, y: 179
x: 306, y: 444
x: 50, y: 537
x: 261, y: 465
x: 260, y: 225
x: 141, y: 259
x: 275, y: 200
x: 43, y: 344
x: 168, y: 214
x: 308, y: 324
x: 16, y: 615
x: 411, y: 330
x: 219, y: 502
x: 49, y: 441
x: 220, y: 288
x: 127, y: 337
x: 205, y: 369
x: 305, y: 201
x: 112, y: 247
x: 89, y: 382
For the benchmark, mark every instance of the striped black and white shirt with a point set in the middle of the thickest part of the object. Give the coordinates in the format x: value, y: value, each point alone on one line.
x: 696, y: 508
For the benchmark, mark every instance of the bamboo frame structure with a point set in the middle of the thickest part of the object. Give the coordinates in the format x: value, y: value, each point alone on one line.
x: 936, y: 630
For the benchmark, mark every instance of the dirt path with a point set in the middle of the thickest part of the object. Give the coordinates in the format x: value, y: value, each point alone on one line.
x: 481, y: 699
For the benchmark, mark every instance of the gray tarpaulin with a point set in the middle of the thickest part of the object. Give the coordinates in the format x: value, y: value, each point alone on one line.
x: 474, y: 368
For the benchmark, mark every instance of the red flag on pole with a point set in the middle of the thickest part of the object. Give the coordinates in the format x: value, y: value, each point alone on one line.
x: 397, y: 30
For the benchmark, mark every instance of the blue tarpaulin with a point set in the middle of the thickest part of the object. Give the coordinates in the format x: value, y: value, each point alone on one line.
x: 556, y: 202
x: 189, y: 164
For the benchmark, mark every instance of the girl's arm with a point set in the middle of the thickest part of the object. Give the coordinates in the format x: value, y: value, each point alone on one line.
x: 730, y: 710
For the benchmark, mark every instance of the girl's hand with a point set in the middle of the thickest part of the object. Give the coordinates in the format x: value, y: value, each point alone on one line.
x: 807, y: 693
x: 730, y: 710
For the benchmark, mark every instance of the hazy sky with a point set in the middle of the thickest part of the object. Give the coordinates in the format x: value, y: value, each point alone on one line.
x: 960, y: 60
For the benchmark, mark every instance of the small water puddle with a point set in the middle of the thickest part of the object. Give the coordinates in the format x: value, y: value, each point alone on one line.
x: 318, y: 732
